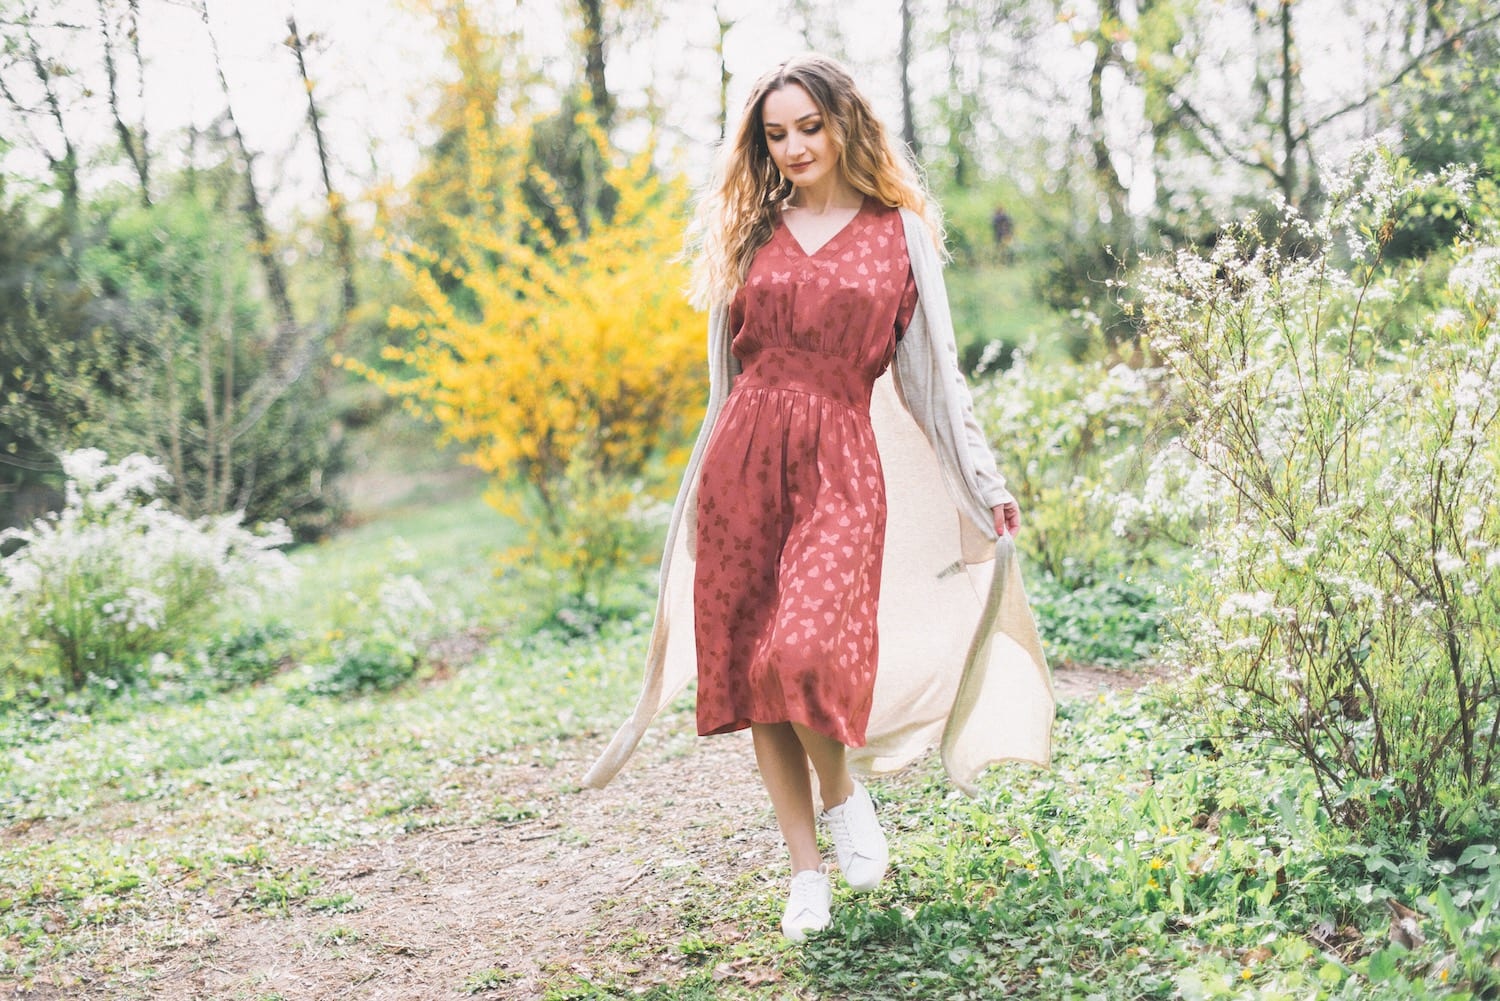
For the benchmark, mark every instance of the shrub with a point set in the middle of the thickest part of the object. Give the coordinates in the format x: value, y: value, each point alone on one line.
x: 1153, y: 862
x: 243, y: 656
x: 1108, y: 623
x: 384, y: 644
x: 365, y: 664
x: 1345, y: 599
x: 558, y: 348
x: 1067, y: 436
x: 115, y: 577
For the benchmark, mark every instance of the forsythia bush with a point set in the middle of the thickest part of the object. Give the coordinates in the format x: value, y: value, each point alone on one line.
x: 116, y: 576
x: 572, y: 366
x: 1345, y: 601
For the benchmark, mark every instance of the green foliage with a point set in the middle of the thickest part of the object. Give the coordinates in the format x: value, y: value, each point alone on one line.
x: 580, y: 551
x: 244, y: 655
x: 1067, y: 437
x: 145, y: 332
x: 1150, y: 863
x: 1452, y: 115
x: 1344, y: 600
x: 1108, y: 623
x: 57, y: 368
x: 364, y: 664
x: 210, y: 392
x: 382, y: 645
x: 489, y: 979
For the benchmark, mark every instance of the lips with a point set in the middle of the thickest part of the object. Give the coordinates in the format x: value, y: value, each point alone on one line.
x: 799, y: 166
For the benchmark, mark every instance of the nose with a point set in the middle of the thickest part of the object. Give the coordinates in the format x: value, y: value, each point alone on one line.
x: 793, y: 145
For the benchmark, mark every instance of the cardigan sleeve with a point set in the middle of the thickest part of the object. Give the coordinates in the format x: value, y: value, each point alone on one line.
x: 991, y: 481
x: 932, y: 385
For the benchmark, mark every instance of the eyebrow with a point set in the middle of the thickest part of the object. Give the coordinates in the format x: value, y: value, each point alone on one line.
x: 810, y: 114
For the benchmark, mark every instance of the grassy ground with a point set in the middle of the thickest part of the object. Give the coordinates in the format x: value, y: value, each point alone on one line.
x: 431, y: 840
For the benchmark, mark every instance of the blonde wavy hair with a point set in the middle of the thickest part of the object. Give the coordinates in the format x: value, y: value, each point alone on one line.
x: 737, y: 212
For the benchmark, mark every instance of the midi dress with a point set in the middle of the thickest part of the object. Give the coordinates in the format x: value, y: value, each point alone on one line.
x: 791, y: 504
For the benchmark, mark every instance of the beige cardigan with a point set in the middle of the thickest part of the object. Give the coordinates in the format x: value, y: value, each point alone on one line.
x: 961, y: 664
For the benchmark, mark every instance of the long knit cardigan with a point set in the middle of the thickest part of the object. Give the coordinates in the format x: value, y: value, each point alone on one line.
x: 960, y: 663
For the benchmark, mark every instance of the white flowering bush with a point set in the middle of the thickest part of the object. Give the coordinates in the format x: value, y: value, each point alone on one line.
x: 1344, y: 419
x: 1068, y: 436
x: 116, y: 577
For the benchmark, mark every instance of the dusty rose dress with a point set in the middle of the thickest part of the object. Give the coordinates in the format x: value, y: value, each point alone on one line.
x: 791, y: 500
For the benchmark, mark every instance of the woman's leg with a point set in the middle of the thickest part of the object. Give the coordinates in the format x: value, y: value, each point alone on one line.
x: 783, y: 770
x: 782, y: 750
x: 862, y: 850
x: 827, y: 757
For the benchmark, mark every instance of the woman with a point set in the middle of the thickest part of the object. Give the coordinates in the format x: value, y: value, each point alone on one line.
x: 830, y: 567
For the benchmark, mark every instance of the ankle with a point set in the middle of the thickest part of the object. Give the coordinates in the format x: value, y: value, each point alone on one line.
x: 835, y: 796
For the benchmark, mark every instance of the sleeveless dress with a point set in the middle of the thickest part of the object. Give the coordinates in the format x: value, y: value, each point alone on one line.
x: 791, y: 498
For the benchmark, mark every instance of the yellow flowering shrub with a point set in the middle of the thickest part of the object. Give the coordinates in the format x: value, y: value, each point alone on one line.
x: 560, y: 350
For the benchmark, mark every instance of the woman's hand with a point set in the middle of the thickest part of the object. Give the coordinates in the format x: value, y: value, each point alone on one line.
x: 1007, y: 518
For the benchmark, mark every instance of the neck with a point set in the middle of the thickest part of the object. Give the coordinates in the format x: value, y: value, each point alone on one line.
x: 829, y: 195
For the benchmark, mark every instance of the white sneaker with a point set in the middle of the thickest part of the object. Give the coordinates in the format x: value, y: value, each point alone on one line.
x: 859, y: 840
x: 807, y: 906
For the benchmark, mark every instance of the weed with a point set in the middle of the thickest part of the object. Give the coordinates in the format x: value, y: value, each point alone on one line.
x: 278, y: 893
x: 340, y: 935
x: 489, y: 979
x: 338, y: 903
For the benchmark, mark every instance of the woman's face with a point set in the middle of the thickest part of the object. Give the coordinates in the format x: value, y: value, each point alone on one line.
x: 798, y: 137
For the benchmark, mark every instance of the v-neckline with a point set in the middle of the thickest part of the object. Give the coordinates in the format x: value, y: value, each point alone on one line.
x: 837, y: 234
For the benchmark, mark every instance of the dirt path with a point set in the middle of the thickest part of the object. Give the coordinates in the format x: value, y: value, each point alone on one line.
x: 593, y: 883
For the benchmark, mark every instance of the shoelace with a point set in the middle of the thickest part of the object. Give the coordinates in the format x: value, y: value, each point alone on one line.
x: 805, y: 895
x: 838, y: 827
x: 843, y: 834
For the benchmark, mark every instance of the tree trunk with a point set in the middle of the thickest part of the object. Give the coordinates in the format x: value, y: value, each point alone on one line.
x: 343, y: 241
x: 134, y: 150
x: 1105, y: 175
x: 65, y: 167
x: 1289, y: 74
x: 908, y: 117
x: 593, y: 59
x: 724, y: 27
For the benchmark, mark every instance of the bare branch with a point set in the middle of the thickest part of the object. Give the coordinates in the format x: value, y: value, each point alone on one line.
x: 1413, y: 65
x: 140, y: 93
x: 1222, y: 145
x: 342, y: 237
x: 127, y: 140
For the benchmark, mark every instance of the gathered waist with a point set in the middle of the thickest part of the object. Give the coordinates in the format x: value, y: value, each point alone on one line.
x: 812, y: 372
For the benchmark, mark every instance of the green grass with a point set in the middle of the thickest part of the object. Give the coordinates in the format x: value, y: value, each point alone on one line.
x: 997, y: 302
x: 167, y: 789
x: 452, y: 547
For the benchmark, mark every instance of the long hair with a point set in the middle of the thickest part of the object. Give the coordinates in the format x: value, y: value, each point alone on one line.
x: 737, y: 212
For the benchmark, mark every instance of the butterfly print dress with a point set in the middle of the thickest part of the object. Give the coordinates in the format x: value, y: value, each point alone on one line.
x: 791, y: 499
